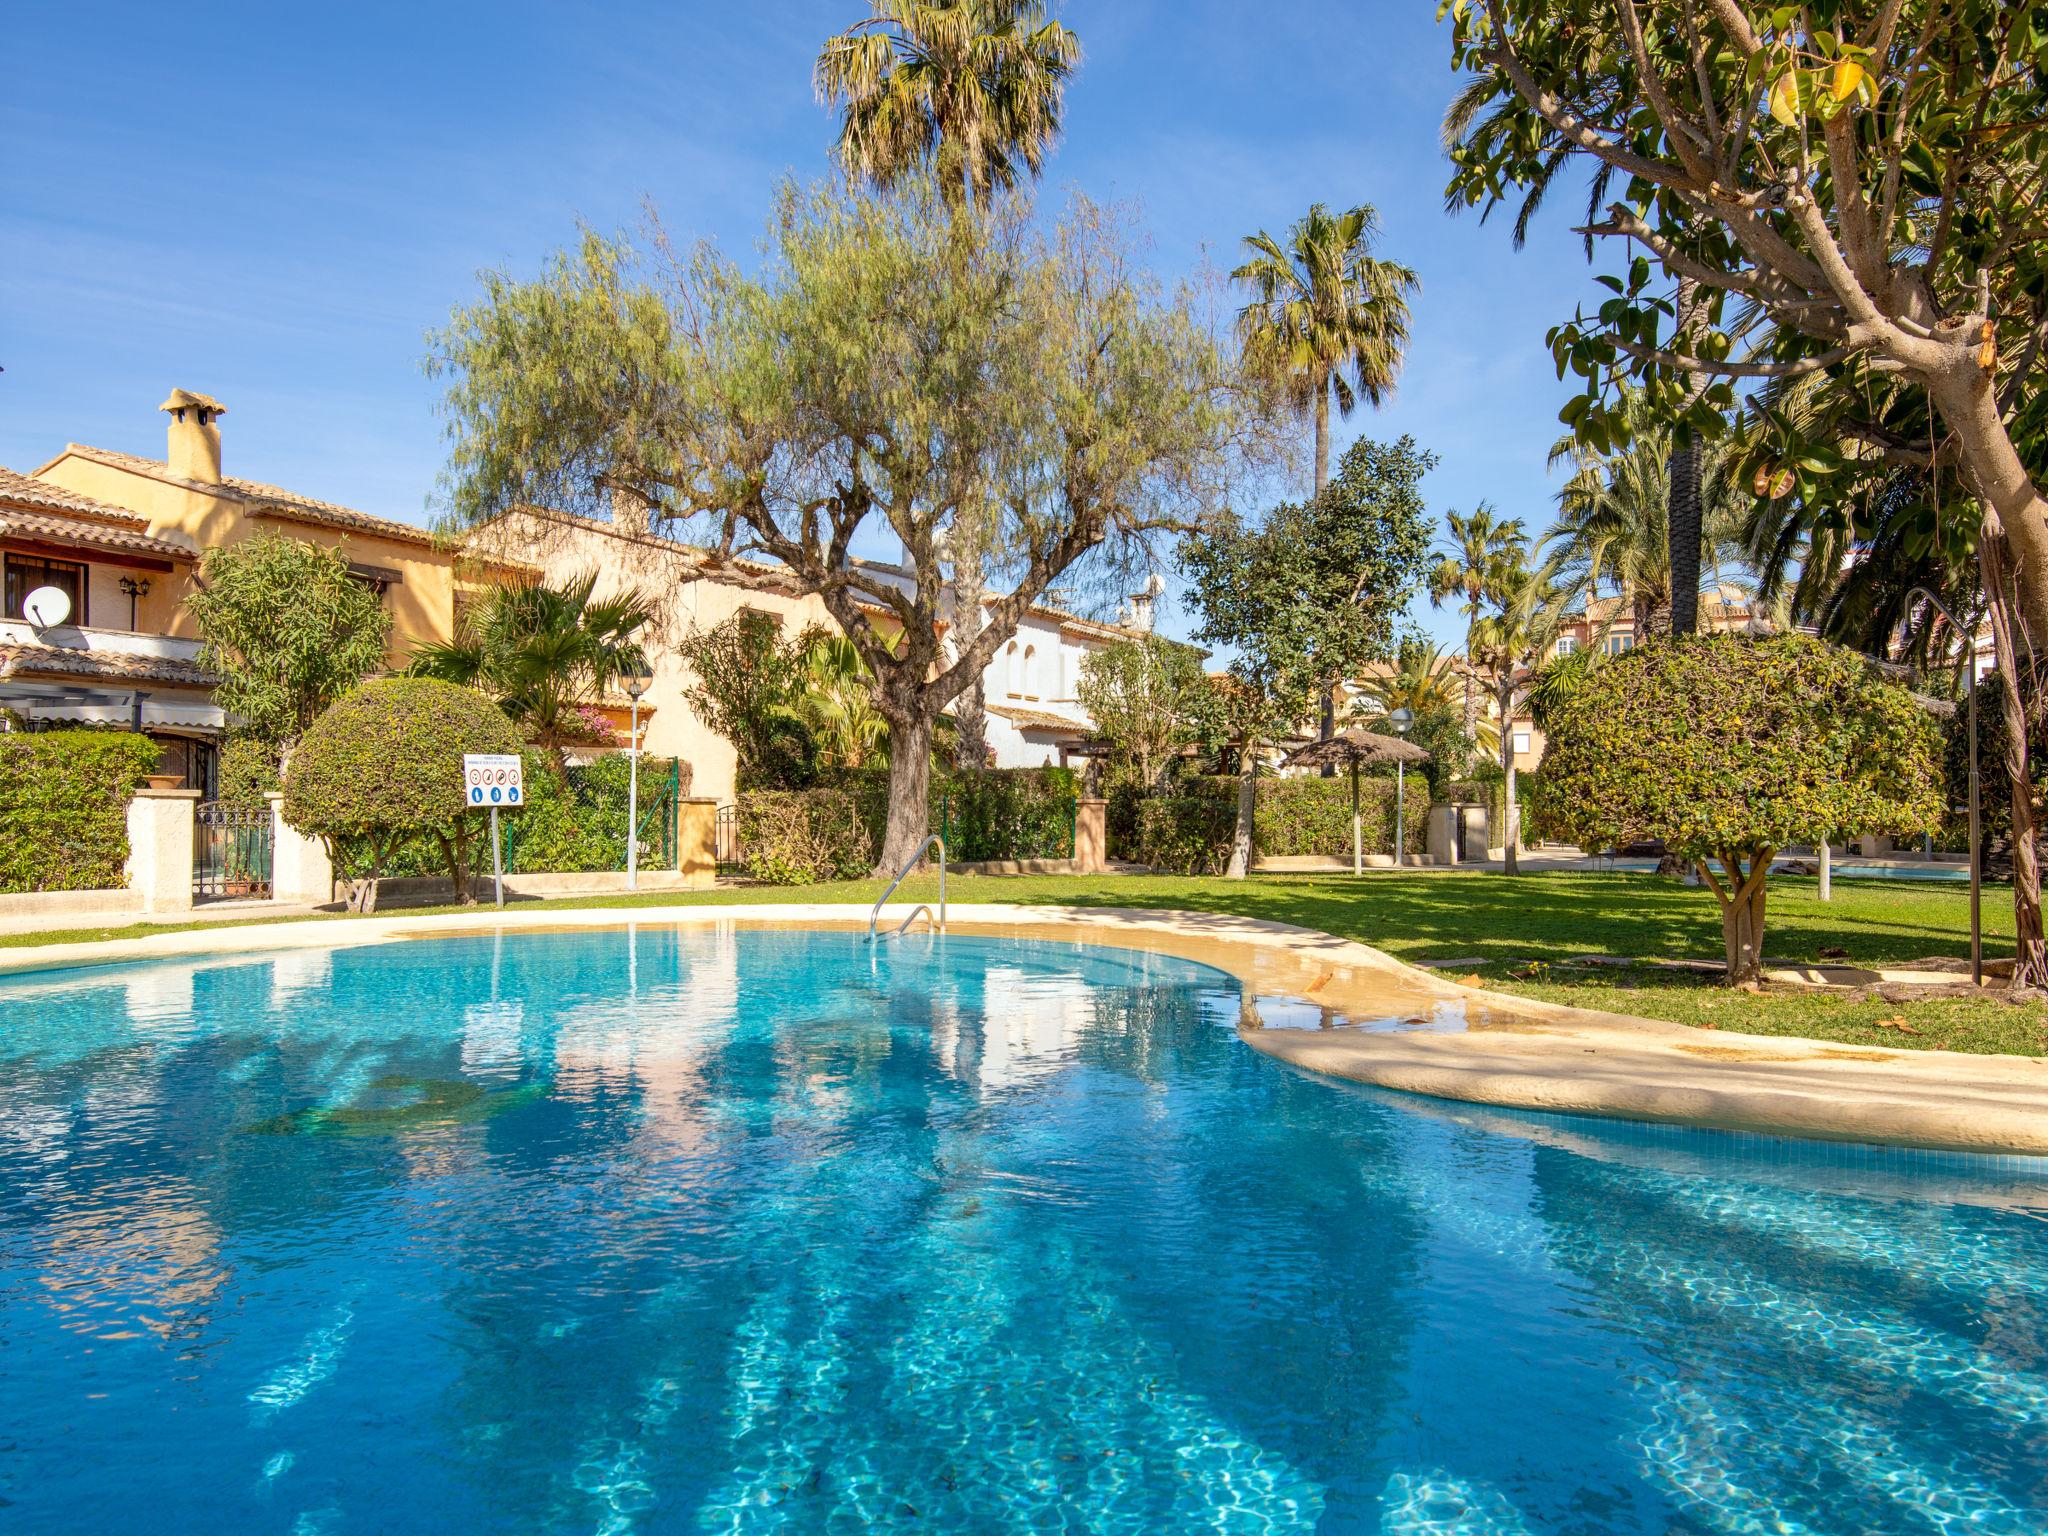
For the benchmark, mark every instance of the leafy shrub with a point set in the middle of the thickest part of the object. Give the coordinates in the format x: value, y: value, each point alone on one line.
x: 1186, y: 834
x: 248, y: 771
x: 64, y: 807
x: 1007, y: 813
x: 1728, y: 748
x: 382, y: 766
x: 797, y: 837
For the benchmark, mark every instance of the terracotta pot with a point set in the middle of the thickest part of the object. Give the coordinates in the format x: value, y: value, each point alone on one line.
x: 163, y: 780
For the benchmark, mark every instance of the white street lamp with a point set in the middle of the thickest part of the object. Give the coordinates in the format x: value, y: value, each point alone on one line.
x: 1403, y: 721
x: 636, y: 682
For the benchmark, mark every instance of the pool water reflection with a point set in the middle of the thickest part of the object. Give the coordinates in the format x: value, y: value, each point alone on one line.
x: 715, y: 1230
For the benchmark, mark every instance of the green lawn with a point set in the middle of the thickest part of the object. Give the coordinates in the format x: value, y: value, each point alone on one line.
x: 1523, y: 928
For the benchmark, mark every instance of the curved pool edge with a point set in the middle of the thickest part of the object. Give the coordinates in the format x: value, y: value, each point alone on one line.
x: 1517, y: 1053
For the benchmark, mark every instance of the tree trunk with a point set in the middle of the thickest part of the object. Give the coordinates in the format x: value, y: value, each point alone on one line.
x: 1742, y: 912
x: 1247, y: 804
x: 910, y: 789
x: 1328, y: 726
x: 2030, y: 953
x: 1511, y: 813
x: 1322, y: 432
x: 1682, y: 519
x: 970, y: 710
x: 1968, y: 403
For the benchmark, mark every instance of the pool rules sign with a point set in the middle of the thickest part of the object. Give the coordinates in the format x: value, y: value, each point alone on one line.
x: 493, y: 779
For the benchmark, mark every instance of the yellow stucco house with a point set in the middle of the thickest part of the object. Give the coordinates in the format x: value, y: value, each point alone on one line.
x: 121, y: 534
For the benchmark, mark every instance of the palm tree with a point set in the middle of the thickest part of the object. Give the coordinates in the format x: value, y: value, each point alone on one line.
x: 971, y: 88
x: 1615, y: 527
x: 835, y: 703
x: 1507, y: 645
x: 1479, y: 547
x: 1426, y: 681
x: 542, y: 651
x: 1326, y: 315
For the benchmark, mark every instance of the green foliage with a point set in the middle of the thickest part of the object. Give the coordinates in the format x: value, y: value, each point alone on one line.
x: 575, y: 818
x: 64, y: 807
x: 996, y: 813
x: 288, y: 630
x: 1314, y: 593
x: 971, y: 98
x: 1190, y: 833
x: 384, y: 764
x: 1728, y: 748
x: 1873, y: 235
x: 1326, y: 317
x: 1996, y: 785
x: 797, y: 838
x: 1723, y: 743
x: 541, y: 652
x: 1031, y: 382
x: 248, y: 771
x: 749, y: 687
x: 1147, y: 698
x: 1185, y: 834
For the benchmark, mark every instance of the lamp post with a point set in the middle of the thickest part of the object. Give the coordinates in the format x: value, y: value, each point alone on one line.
x: 1403, y: 721
x: 637, y: 681
x: 1969, y: 639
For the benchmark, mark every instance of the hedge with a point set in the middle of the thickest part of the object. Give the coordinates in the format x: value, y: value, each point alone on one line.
x: 64, y: 807
x: 796, y: 837
x: 1294, y: 818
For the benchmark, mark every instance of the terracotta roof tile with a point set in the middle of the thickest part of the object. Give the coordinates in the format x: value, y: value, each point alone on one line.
x: 267, y: 500
x: 90, y: 536
x: 1040, y: 720
x: 26, y: 491
x: 119, y: 666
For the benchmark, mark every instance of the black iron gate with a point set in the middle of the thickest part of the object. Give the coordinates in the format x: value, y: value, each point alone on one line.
x: 726, y: 839
x: 230, y: 852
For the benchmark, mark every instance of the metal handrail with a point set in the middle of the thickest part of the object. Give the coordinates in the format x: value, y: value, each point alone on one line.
x: 923, y: 907
x: 917, y: 858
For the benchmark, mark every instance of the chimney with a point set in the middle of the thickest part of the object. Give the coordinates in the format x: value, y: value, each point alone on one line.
x: 194, y: 436
x: 1142, y: 603
x: 629, y: 508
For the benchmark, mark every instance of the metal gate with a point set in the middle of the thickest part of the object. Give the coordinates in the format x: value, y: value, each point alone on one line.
x: 726, y: 839
x: 230, y: 852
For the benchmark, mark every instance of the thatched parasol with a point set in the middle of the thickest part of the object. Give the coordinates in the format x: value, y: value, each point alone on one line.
x: 1356, y: 749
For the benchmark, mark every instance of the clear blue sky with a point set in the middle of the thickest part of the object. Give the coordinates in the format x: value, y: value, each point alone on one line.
x: 273, y: 204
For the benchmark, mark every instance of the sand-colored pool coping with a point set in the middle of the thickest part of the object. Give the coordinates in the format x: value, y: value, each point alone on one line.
x: 1339, y: 1007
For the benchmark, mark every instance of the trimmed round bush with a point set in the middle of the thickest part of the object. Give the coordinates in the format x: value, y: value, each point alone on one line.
x: 384, y: 764
x: 1728, y: 748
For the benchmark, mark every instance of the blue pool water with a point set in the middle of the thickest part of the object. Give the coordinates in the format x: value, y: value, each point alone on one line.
x: 716, y: 1231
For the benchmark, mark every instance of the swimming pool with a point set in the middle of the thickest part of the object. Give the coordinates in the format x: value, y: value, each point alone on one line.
x: 712, y: 1230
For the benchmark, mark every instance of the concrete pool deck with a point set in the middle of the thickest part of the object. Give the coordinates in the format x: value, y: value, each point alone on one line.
x: 1338, y: 1007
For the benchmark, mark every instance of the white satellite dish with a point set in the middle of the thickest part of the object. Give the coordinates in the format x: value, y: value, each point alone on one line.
x: 46, y: 607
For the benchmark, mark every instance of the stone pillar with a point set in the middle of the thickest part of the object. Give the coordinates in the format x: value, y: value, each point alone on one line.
x: 1477, y: 849
x: 1442, y: 842
x: 160, y: 823
x: 300, y: 871
x: 1874, y: 846
x: 1091, y: 837
x: 697, y: 842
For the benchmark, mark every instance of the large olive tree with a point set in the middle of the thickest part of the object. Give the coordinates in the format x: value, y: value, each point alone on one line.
x: 1728, y: 748
x: 888, y: 374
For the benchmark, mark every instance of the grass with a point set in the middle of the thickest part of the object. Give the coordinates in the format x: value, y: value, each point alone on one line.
x: 1520, y: 931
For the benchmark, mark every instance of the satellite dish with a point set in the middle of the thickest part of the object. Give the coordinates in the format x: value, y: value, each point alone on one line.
x: 46, y: 607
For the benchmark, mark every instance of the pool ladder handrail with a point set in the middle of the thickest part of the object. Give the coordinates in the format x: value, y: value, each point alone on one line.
x: 917, y: 858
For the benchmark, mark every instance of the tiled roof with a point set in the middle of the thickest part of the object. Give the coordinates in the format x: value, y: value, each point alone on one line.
x: 26, y: 491
x: 89, y: 535
x: 112, y: 666
x: 1039, y: 720
x: 266, y: 500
